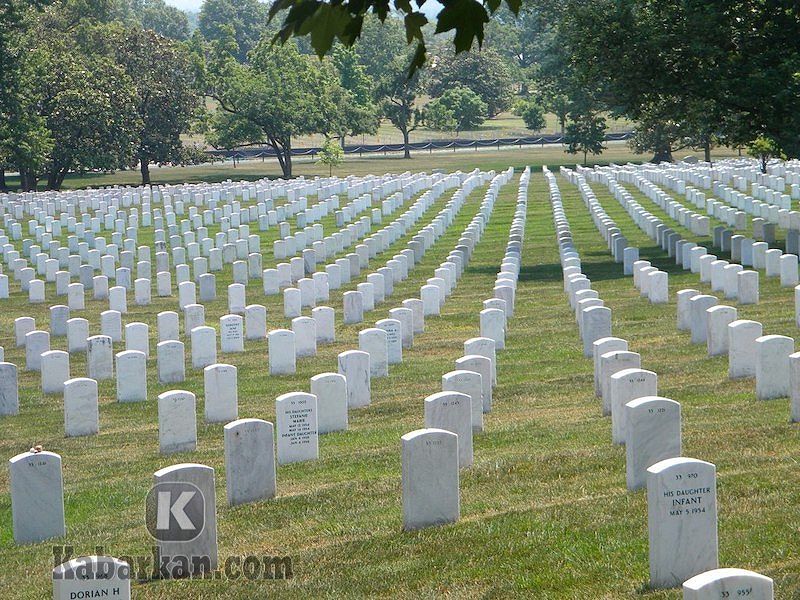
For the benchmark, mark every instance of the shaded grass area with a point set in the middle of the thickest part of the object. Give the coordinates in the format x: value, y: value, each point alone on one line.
x: 545, y: 512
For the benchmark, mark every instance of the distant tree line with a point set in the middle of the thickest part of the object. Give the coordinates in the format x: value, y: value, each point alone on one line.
x: 98, y: 85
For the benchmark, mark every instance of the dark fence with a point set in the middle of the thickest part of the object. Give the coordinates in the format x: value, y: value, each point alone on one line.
x: 539, y: 140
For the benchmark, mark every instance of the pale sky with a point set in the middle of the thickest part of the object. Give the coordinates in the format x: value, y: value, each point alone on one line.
x: 186, y: 4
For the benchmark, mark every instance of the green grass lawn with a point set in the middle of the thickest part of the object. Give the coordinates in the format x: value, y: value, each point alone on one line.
x: 545, y: 510
x: 505, y: 124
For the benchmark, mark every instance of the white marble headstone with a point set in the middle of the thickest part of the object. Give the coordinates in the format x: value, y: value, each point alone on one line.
x: 249, y: 461
x: 331, y: 392
x: 221, y: 393
x: 430, y: 478
x: 452, y: 411
x: 682, y: 520
x: 37, y: 497
x: 296, y: 423
x: 92, y: 577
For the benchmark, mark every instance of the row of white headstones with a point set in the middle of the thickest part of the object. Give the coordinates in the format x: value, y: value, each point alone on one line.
x: 131, y: 366
x: 170, y: 353
x: 488, y: 321
x: 770, y: 359
x: 81, y: 413
x: 681, y: 491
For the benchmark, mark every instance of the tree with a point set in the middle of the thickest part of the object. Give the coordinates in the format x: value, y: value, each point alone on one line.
x: 533, y: 115
x: 155, y: 15
x: 466, y: 107
x: 165, y: 99
x: 383, y: 53
x: 485, y: 73
x: 657, y: 135
x: 331, y: 154
x: 87, y: 104
x: 585, y: 133
x: 439, y: 117
x: 24, y: 137
x: 164, y: 19
x: 279, y: 95
x: 763, y: 149
x: 524, y: 40
x: 356, y: 112
x: 713, y: 70
x: 247, y: 19
x: 398, y: 92
x: 378, y: 45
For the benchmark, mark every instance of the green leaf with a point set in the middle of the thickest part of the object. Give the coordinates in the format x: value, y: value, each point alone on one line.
x: 414, y: 23
x: 403, y: 6
x: 467, y: 18
x: 327, y: 23
x: 514, y: 6
x: 278, y: 6
x: 381, y: 8
x: 352, y: 31
x: 418, y: 60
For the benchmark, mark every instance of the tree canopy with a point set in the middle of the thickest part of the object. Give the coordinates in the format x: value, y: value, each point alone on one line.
x: 279, y: 95
x: 245, y: 19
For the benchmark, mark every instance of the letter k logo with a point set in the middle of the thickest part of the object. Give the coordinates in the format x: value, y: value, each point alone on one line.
x: 177, y: 510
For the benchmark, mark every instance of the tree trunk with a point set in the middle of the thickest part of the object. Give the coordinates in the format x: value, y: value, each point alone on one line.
x: 663, y: 154
x: 286, y: 163
x: 3, y: 185
x: 145, y: 169
x: 585, y: 157
x: 342, y: 141
x: 707, y: 150
x: 562, y: 121
x: 60, y: 178
x: 764, y: 163
x: 27, y: 180
x: 406, y: 149
x: 55, y: 177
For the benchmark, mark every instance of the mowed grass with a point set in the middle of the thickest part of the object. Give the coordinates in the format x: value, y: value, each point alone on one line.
x: 506, y: 124
x: 545, y: 511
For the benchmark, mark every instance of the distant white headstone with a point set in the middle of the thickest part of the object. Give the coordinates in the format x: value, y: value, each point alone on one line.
x: 81, y: 415
x: 131, y: 376
x: 282, y: 353
x: 187, y: 541
x: 354, y: 365
x: 331, y: 392
x: 171, y: 362
x: 177, y: 423
x: 653, y: 434
x: 452, y: 411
